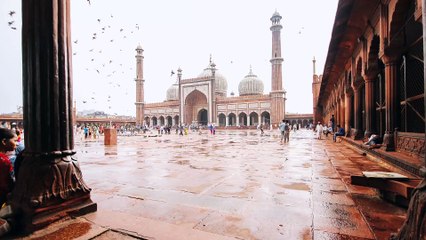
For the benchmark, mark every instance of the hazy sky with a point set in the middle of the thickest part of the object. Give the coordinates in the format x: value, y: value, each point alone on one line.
x: 176, y: 34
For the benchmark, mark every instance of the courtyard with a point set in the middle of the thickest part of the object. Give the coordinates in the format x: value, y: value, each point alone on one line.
x: 236, y: 184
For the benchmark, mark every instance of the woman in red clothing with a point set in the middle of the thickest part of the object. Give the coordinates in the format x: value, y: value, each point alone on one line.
x: 8, y: 140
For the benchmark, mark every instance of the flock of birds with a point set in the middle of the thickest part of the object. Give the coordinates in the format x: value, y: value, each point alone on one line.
x: 102, y: 55
x: 11, y: 23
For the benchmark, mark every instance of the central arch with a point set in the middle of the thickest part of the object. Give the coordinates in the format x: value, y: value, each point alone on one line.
x: 195, y: 108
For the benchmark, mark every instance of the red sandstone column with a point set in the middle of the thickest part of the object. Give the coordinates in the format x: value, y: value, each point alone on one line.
x: 357, y: 113
x: 342, y: 112
x: 391, y: 101
x: 369, y: 104
x: 348, y: 112
x: 49, y: 182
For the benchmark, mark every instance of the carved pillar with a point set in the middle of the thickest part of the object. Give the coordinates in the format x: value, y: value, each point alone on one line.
x: 357, y: 113
x: 342, y: 112
x: 369, y: 105
x: 391, y: 101
x: 348, y: 112
x: 49, y: 182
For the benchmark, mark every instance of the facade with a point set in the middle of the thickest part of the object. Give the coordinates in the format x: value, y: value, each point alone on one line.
x: 373, y: 80
x: 203, y: 100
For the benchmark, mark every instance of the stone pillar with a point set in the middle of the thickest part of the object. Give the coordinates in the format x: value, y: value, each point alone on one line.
x: 342, y: 112
x: 369, y: 105
x: 259, y: 119
x: 348, y: 112
x: 248, y: 120
x: 110, y: 136
x: 151, y: 122
x: 49, y: 184
x: 391, y: 101
x: 227, y: 121
x: 357, y: 114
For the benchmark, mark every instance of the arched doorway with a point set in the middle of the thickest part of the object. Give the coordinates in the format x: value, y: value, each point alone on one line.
x: 242, y: 119
x: 202, y: 117
x: 154, y: 121
x: 254, y: 119
x: 176, y: 120
x: 161, y: 120
x: 169, y: 121
x: 266, y: 118
x: 195, y: 103
x: 222, y: 120
x: 147, y: 123
x: 232, y: 119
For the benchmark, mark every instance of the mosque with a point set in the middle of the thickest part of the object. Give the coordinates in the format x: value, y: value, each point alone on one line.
x: 203, y: 99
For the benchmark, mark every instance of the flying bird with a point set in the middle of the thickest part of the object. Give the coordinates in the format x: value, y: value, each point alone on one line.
x: 10, y: 23
x: 89, y: 2
x: 14, y: 28
x: 99, y: 20
x: 172, y: 73
x: 121, y: 29
x: 11, y: 13
x: 76, y: 41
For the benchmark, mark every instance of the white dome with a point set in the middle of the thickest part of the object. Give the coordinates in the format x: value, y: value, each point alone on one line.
x: 250, y: 85
x: 173, y: 92
x: 221, y: 85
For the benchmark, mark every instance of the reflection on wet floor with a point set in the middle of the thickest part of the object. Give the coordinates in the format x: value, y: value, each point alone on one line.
x: 237, y: 184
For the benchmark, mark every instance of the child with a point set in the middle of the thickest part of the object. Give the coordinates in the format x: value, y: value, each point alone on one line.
x: 8, y: 141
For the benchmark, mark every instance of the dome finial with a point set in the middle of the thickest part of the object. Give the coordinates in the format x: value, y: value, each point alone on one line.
x: 251, y: 70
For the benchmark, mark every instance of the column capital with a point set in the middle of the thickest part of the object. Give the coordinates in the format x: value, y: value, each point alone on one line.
x: 390, y: 57
x: 370, y: 76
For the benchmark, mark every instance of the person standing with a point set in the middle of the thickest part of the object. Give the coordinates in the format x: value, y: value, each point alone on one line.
x: 282, y: 130
x: 333, y: 122
x: 319, y: 130
x: 287, y: 132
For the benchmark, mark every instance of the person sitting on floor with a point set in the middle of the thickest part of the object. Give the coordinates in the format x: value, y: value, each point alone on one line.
x: 374, y: 141
x: 340, y: 132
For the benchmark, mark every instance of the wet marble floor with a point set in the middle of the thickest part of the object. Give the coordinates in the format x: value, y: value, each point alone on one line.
x: 232, y: 185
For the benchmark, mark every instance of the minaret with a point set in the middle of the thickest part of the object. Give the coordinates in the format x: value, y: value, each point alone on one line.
x: 316, y: 85
x: 139, y: 87
x: 277, y: 92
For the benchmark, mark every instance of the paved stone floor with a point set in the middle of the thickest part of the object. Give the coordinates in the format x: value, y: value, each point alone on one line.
x: 232, y: 185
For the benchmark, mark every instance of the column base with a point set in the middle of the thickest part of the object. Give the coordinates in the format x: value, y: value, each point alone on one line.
x: 48, y: 188
x: 388, y: 142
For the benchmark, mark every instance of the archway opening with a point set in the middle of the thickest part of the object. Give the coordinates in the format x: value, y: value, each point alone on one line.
x: 232, y: 119
x: 254, y: 119
x: 169, y: 121
x: 242, y: 119
x: 202, y: 117
x: 195, y: 102
x: 222, y: 120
